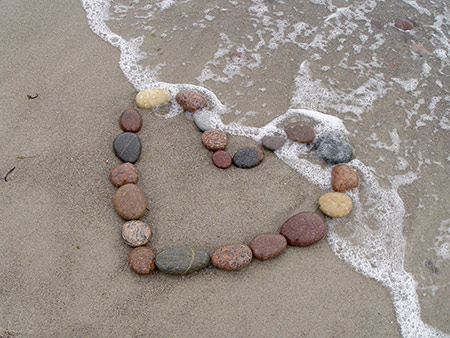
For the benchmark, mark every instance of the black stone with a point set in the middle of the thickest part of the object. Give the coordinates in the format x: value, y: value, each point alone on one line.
x: 180, y: 261
x: 333, y: 149
x: 248, y: 157
x: 273, y: 142
x: 127, y: 147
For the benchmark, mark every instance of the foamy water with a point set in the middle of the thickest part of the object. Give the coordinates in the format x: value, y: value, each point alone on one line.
x: 344, y: 67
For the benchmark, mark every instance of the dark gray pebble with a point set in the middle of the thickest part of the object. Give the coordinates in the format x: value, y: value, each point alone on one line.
x: 180, y: 261
x: 333, y: 149
x: 273, y: 142
x: 248, y: 157
x: 127, y: 147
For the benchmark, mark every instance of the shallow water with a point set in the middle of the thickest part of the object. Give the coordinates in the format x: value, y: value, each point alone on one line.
x: 345, y: 67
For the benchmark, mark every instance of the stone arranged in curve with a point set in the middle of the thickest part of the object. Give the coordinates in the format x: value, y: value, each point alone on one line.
x: 268, y: 245
x: 335, y: 204
x: 129, y: 202
x: 343, y: 178
x: 131, y: 120
x: 142, y: 260
x: 127, y: 147
x: 191, y: 100
x: 151, y: 98
x: 300, y: 132
x: 232, y: 257
x: 334, y: 150
x: 136, y: 233
x: 248, y: 157
x: 273, y: 142
x: 303, y: 229
x: 181, y: 261
x: 214, y: 139
x: 124, y: 173
x: 203, y: 121
x: 222, y: 159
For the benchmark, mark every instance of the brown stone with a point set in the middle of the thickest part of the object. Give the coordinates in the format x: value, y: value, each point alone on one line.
x: 343, y: 178
x: 232, y: 257
x: 303, y: 229
x: 265, y: 246
x: 214, y: 139
x: 300, y: 132
x: 142, y: 260
x: 124, y: 173
x: 222, y: 159
x: 191, y: 100
x: 136, y: 233
x: 404, y: 24
x: 131, y: 120
x: 129, y: 202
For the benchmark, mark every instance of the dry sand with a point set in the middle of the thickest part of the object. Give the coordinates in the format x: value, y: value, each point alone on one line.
x: 58, y: 199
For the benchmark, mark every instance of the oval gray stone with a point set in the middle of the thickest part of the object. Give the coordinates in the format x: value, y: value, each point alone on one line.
x: 127, y: 147
x: 203, y: 120
x: 334, y: 150
x: 180, y: 261
x: 248, y: 157
x: 273, y: 142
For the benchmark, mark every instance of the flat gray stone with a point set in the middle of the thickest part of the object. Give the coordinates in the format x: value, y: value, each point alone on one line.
x: 180, y: 261
x: 334, y: 150
x: 127, y: 147
x: 273, y: 142
x: 248, y: 157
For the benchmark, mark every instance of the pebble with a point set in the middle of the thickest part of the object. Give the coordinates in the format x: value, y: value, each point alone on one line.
x: 334, y: 150
x: 215, y: 139
x: 124, y: 173
x: 136, y: 233
x: 273, y: 142
x: 404, y: 24
x: 181, y: 261
x: 232, y: 257
x: 127, y: 147
x: 248, y: 157
x: 265, y: 246
x: 153, y: 97
x: 300, y: 132
x: 142, y: 260
x: 129, y: 202
x: 335, y: 204
x: 343, y: 178
x: 191, y: 100
x: 222, y: 159
x: 303, y: 229
x: 131, y: 120
x: 203, y: 120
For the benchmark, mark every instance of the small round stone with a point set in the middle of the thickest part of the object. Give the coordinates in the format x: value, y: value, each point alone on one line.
x: 303, y: 229
x: 222, y: 159
x: 129, y: 202
x: 265, y: 246
x: 124, y: 173
x: 191, y: 100
x: 248, y: 157
x: 300, y: 132
x: 334, y: 150
x: 204, y: 120
x: 404, y: 24
x: 181, y: 261
x: 232, y: 257
x: 214, y: 139
x: 131, y: 120
x: 335, y: 204
x: 150, y: 98
x: 136, y: 233
x: 127, y: 147
x: 273, y: 142
x: 142, y: 260
x: 343, y: 178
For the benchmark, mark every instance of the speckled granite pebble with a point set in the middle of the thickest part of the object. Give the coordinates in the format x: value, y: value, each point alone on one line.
x: 215, y: 139
x: 248, y: 157
x: 232, y: 257
x: 303, y: 229
x: 136, y: 233
x: 191, y: 100
x: 334, y: 150
x: 180, y: 261
x: 142, y: 260
x: 273, y: 142
x: 127, y: 147
x: 265, y: 246
x: 124, y: 173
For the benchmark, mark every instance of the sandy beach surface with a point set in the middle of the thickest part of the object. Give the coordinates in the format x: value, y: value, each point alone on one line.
x: 63, y: 265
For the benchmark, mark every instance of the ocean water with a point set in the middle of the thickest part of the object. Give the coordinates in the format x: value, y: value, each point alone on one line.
x: 344, y: 67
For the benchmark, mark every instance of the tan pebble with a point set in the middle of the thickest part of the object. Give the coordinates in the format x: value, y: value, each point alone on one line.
x: 335, y: 204
x: 151, y: 98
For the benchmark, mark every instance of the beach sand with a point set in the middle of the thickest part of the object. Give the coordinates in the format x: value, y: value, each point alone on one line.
x: 63, y: 264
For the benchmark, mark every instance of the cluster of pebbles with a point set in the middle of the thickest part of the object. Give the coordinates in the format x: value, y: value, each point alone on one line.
x: 302, y: 229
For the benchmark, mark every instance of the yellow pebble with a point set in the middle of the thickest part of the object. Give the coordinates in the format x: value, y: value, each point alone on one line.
x: 335, y: 204
x: 151, y: 98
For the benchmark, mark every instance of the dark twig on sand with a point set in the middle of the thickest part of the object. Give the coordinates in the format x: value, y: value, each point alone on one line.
x: 32, y: 97
x: 9, y: 172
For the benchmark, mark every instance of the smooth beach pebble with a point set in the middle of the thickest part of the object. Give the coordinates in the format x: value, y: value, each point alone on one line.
x: 190, y: 100
x: 303, y: 229
x: 335, y: 204
x: 124, y: 173
x: 127, y: 147
x: 343, y: 178
x: 151, y: 98
x: 136, y: 233
x: 300, y: 132
x: 129, y: 202
x: 232, y: 257
x: 142, y: 260
x: 222, y: 159
x: 334, y: 150
x: 131, y: 120
x: 214, y: 139
x: 273, y: 142
x: 180, y: 261
x: 404, y: 24
x: 203, y: 120
x: 265, y: 246
x: 248, y: 157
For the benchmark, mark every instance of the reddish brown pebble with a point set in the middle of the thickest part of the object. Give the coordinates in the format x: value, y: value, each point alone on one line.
x: 123, y: 173
x: 222, y: 159
x: 232, y: 257
x: 304, y: 229
x: 131, y: 120
x: 129, y: 202
x: 300, y: 132
x: 142, y: 260
x: 265, y: 246
x: 404, y: 24
x: 191, y: 100
x: 215, y: 139
x: 343, y: 178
